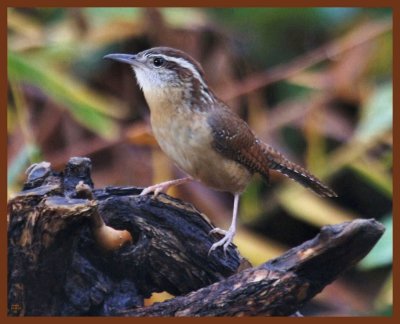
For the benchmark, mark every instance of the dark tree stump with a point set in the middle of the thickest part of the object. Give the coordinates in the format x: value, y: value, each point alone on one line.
x: 63, y: 259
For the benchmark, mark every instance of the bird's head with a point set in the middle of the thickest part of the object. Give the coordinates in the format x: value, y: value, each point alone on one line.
x: 165, y: 68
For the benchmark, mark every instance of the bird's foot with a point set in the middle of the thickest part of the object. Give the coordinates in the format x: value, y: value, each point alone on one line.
x: 225, y: 241
x: 218, y: 231
x: 157, y: 188
x: 164, y: 186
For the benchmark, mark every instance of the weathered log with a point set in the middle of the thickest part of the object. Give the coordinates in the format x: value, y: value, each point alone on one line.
x: 281, y: 286
x: 63, y: 260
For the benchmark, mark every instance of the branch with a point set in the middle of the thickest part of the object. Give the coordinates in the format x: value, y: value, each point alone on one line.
x: 75, y: 250
x: 281, y: 286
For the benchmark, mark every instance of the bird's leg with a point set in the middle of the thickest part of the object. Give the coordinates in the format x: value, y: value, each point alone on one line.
x: 164, y: 186
x: 230, y: 233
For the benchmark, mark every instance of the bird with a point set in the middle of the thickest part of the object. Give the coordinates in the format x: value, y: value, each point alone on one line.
x: 202, y: 135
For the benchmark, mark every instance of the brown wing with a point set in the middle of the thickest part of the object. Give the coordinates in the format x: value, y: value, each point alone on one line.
x: 233, y: 138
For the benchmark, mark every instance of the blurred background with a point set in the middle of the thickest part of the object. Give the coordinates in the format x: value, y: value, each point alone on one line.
x: 316, y: 83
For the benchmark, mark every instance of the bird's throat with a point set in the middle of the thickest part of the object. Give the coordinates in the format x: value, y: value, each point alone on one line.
x: 164, y: 101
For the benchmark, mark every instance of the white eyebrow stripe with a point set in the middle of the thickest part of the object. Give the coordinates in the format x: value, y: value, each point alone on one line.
x: 185, y: 64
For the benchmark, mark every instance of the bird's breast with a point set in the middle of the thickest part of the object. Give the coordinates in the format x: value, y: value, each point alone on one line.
x: 186, y: 138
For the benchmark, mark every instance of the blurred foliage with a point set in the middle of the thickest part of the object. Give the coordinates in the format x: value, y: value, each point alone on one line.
x: 377, y: 115
x: 84, y: 106
x: 265, y: 29
x: 314, y: 82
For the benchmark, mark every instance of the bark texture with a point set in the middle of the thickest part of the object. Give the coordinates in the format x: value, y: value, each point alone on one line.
x: 75, y: 250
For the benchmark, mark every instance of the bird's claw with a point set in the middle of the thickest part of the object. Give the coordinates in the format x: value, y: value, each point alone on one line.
x: 164, y: 186
x: 156, y: 189
x: 225, y: 241
x: 217, y: 230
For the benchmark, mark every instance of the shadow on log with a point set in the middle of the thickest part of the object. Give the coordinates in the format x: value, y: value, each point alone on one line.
x: 75, y: 250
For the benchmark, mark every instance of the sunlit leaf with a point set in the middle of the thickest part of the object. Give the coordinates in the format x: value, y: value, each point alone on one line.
x: 347, y: 154
x: 27, y: 155
x: 115, y: 31
x: 383, y: 58
x: 374, y: 174
x: 303, y: 204
x: 181, y: 17
x: 62, y: 90
x: 101, y: 16
x: 311, y: 79
x: 29, y: 31
x: 377, y: 114
x: 315, y: 157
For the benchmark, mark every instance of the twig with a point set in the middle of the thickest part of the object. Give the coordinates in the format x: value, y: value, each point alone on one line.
x: 361, y: 35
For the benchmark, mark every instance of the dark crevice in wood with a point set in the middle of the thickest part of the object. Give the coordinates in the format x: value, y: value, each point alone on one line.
x: 60, y: 263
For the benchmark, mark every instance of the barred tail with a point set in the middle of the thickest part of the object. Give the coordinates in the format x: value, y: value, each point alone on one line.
x: 276, y: 161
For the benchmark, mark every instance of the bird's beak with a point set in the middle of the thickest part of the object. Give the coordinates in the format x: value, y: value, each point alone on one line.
x: 124, y: 58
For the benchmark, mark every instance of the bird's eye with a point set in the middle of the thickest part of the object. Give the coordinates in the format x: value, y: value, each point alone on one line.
x: 158, y: 61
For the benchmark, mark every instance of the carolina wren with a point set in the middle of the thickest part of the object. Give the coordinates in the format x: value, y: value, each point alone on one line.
x: 201, y: 134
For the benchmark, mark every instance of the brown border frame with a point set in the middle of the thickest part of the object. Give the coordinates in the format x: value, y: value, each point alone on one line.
x: 394, y: 4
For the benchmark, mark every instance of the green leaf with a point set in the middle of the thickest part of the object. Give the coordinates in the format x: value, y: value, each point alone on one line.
x: 382, y: 253
x: 387, y: 311
x: 308, y: 207
x: 374, y: 174
x: 101, y: 16
x: 64, y: 91
x: 180, y: 17
x: 378, y: 113
x: 28, y: 154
